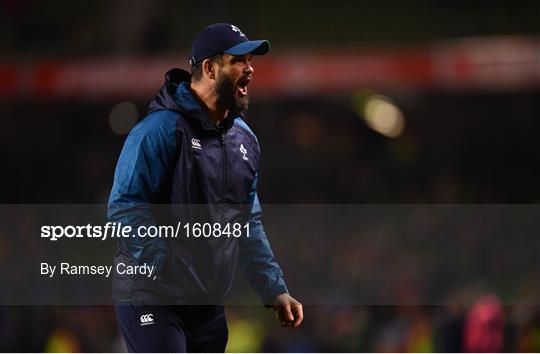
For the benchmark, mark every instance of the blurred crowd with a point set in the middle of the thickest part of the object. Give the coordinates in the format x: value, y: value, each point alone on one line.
x: 484, y: 327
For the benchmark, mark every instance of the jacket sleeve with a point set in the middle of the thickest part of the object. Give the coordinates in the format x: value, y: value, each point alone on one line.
x: 143, y: 166
x: 257, y: 261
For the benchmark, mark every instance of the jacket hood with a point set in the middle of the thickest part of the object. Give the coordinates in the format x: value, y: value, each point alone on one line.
x: 165, y: 97
x: 176, y: 95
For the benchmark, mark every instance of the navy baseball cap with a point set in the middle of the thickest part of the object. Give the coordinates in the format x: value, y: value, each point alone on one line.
x: 224, y: 38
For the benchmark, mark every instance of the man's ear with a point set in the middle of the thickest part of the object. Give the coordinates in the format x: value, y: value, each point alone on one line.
x: 208, y: 69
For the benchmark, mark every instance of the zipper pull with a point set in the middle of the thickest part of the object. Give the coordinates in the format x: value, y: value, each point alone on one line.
x: 223, y: 138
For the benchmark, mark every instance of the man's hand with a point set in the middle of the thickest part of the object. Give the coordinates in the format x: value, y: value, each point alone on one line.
x: 288, y: 311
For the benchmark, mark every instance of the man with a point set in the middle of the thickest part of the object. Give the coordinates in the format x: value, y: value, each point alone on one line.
x: 194, y: 153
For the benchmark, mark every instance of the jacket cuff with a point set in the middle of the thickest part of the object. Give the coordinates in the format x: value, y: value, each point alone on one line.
x: 272, y: 293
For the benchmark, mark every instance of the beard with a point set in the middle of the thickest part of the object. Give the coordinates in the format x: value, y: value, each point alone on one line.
x: 228, y: 97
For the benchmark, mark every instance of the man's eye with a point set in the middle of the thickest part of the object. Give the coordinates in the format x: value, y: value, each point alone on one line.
x: 240, y: 60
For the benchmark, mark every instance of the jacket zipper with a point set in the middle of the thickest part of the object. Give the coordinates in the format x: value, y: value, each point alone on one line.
x: 224, y: 166
x: 222, y: 203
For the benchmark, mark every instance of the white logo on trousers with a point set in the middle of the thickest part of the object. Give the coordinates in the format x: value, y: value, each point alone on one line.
x: 147, y: 319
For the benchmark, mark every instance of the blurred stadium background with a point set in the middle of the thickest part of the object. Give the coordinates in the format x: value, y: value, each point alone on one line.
x: 358, y: 102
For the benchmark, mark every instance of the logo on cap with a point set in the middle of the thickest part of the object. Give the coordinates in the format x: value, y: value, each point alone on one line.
x: 237, y: 30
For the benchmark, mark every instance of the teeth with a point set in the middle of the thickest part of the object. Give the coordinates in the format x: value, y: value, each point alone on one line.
x: 243, y: 90
x: 242, y: 87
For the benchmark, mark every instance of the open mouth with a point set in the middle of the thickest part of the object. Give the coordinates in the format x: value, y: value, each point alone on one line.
x: 243, y: 86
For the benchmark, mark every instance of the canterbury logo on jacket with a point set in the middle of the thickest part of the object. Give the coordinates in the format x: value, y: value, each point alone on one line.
x: 176, y: 159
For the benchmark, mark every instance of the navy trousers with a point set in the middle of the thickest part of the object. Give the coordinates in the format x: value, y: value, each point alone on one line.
x: 173, y: 329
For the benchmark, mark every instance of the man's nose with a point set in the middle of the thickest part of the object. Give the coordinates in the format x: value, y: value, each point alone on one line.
x: 249, y: 69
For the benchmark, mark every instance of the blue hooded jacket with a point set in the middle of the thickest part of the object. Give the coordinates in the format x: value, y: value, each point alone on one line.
x: 176, y: 166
